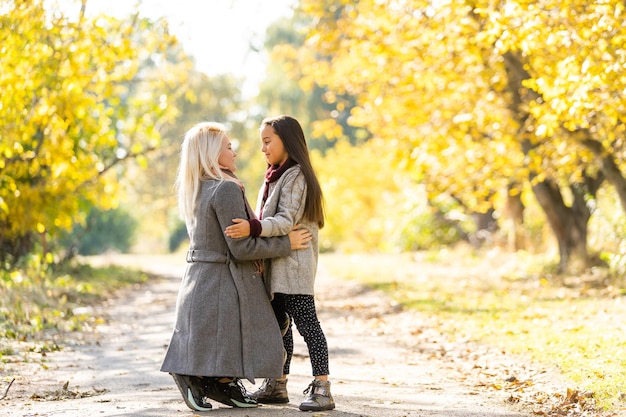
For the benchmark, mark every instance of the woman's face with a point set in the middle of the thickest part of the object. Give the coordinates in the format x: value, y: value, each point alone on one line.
x: 272, y: 146
x: 226, y: 160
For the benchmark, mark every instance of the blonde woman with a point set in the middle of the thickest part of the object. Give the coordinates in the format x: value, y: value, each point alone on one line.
x: 225, y: 328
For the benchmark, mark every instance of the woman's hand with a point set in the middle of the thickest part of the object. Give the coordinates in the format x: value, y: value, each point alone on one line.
x: 299, y: 237
x: 240, y: 229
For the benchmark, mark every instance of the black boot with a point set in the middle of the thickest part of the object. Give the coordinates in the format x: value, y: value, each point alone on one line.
x: 231, y: 393
x: 191, y: 388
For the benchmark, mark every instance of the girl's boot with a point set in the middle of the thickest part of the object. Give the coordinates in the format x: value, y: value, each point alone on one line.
x: 318, y: 397
x: 272, y: 391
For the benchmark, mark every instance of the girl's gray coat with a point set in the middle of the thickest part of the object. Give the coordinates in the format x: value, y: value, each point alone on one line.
x: 295, y: 273
x: 224, y: 324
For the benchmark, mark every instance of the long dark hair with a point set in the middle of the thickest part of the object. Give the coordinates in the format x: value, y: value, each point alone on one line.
x: 292, y: 136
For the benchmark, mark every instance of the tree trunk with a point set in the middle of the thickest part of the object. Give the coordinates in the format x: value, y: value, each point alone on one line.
x: 610, y: 168
x: 486, y: 226
x: 514, y: 212
x: 14, y: 247
x: 569, y: 224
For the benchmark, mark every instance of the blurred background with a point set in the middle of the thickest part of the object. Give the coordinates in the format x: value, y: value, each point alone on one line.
x: 431, y: 123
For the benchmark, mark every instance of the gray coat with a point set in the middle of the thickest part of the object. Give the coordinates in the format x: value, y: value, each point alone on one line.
x: 295, y: 273
x: 224, y: 324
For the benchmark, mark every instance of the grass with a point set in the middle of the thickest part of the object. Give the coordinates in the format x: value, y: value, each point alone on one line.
x: 508, y: 301
x: 43, y: 299
x: 42, y: 307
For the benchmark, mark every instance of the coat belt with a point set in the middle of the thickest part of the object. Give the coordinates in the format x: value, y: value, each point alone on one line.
x: 207, y: 256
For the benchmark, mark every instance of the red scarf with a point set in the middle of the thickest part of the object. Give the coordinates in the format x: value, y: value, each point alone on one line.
x: 273, y: 173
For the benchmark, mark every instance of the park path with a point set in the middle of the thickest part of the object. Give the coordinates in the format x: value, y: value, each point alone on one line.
x: 384, y: 362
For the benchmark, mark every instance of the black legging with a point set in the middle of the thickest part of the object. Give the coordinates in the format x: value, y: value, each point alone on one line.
x: 301, y: 309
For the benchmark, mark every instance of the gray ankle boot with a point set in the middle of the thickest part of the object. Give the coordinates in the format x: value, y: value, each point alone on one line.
x: 272, y: 391
x: 318, y: 397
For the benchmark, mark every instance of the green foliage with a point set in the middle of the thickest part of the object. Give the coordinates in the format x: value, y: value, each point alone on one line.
x: 103, y: 230
x: 40, y: 297
x: 428, y: 228
x: 178, y: 236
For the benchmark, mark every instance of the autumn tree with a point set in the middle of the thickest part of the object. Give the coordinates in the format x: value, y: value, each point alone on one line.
x: 80, y: 95
x: 400, y: 99
x: 569, y: 102
x: 481, y: 98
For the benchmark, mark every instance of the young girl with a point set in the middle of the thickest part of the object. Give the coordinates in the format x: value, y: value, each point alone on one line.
x: 291, y: 195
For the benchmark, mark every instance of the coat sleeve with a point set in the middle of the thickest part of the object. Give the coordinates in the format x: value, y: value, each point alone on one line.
x: 290, y: 209
x: 229, y: 203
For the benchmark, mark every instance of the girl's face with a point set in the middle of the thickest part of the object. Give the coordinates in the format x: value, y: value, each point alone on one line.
x: 226, y: 160
x: 272, y: 146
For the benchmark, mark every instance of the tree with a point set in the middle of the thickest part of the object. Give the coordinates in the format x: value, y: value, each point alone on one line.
x: 79, y: 97
x: 482, y: 97
x: 570, y: 102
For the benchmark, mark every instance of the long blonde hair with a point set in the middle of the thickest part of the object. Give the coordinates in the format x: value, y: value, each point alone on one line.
x: 200, y: 151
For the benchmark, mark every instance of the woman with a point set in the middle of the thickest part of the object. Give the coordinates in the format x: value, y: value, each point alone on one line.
x: 225, y: 327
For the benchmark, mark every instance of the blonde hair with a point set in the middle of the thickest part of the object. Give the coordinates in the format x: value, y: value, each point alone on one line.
x: 200, y: 151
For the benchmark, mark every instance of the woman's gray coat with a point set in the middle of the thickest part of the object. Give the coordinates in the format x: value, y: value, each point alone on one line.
x: 225, y: 325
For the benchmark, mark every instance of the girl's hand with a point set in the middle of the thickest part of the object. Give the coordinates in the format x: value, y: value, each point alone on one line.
x: 299, y: 238
x: 240, y: 229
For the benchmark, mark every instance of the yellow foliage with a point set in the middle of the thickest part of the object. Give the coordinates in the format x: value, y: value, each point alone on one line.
x: 363, y: 196
x: 73, y: 106
x: 431, y: 79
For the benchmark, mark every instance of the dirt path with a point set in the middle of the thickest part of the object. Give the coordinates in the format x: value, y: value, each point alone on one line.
x: 383, y: 362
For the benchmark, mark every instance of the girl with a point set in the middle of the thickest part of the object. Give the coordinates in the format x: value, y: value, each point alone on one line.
x: 225, y: 327
x: 291, y: 195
